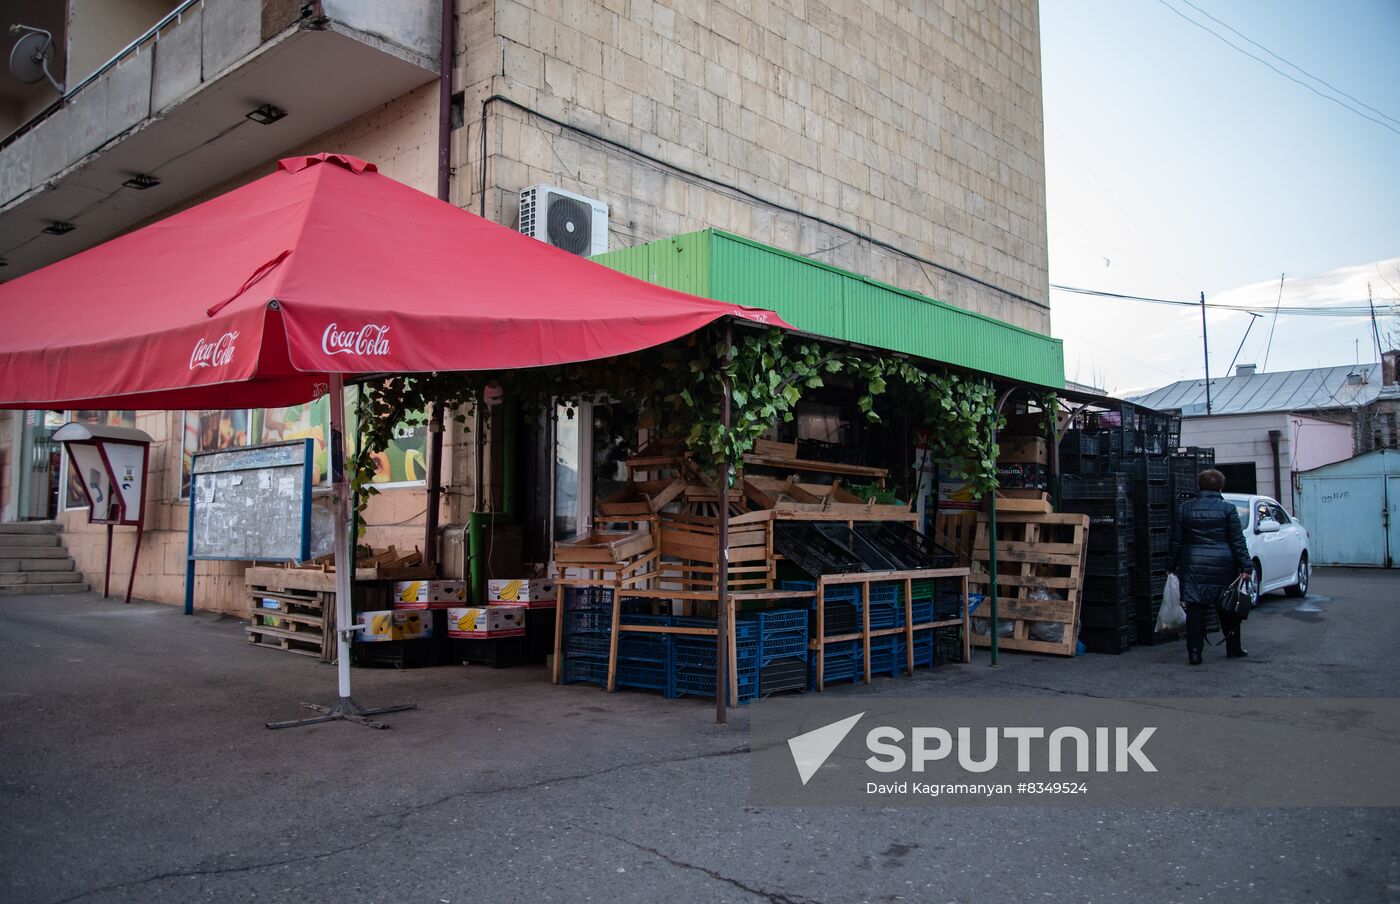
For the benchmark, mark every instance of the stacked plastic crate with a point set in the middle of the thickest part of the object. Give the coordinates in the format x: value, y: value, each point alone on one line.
x: 1153, y: 513
x: 587, y: 634
x: 1109, y: 609
x: 782, y: 649
x: 693, y: 674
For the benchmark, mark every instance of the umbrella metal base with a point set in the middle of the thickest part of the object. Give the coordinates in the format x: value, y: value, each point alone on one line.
x: 344, y: 709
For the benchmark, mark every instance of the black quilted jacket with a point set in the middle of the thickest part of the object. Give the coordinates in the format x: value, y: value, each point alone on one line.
x: 1208, y: 550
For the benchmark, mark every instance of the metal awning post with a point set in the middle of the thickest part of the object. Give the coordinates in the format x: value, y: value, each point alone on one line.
x: 722, y: 566
x: 345, y: 706
x: 992, y: 588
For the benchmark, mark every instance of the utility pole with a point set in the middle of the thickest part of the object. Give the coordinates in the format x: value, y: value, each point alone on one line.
x: 1205, y: 346
x: 1375, y: 330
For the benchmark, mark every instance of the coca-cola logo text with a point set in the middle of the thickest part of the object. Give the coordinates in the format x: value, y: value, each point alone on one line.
x: 216, y: 353
x: 370, y: 339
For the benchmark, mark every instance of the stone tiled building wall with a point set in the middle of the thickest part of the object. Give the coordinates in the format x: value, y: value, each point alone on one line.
x: 918, y: 124
x: 915, y: 123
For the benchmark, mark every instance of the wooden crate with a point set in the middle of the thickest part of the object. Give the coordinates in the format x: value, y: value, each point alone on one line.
x: 1033, y: 550
x: 305, y: 622
x: 602, y: 547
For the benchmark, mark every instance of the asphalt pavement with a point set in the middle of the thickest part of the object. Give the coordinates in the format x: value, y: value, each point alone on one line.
x: 136, y: 768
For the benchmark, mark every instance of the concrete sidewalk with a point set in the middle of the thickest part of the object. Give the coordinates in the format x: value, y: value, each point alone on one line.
x: 136, y: 768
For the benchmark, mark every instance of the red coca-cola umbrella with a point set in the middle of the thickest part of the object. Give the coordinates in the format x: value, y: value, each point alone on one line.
x: 270, y: 294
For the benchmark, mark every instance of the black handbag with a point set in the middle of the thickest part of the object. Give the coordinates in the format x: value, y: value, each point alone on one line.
x: 1235, y: 600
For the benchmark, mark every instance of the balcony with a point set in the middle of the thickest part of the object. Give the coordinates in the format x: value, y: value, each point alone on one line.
x: 174, y: 106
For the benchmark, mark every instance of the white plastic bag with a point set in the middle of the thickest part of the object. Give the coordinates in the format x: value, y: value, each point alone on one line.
x: 1172, y: 616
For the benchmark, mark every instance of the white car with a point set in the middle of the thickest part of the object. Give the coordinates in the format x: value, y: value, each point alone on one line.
x: 1278, y: 544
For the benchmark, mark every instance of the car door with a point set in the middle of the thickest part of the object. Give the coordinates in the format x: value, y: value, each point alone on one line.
x: 1290, y: 543
x: 1267, y: 543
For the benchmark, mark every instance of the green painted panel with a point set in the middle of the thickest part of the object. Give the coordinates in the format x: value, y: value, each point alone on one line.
x: 825, y: 300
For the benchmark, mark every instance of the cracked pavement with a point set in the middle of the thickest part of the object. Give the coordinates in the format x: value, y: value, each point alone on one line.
x: 136, y: 769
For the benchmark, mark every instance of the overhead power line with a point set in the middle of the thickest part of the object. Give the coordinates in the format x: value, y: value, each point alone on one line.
x: 1343, y: 310
x: 1328, y: 85
x: 1336, y: 100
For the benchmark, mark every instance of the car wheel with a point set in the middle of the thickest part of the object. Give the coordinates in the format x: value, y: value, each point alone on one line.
x: 1254, y: 586
x: 1300, y: 587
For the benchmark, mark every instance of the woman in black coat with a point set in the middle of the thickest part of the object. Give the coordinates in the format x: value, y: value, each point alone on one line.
x: 1207, y: 554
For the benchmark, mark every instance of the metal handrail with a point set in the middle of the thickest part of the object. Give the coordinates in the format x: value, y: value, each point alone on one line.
x: 150, y: 33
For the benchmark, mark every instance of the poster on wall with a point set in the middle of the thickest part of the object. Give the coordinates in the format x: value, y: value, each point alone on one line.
x: 311, y: 421
x: 207, y: 431
x: 403, y: 462
x: 73, y: 497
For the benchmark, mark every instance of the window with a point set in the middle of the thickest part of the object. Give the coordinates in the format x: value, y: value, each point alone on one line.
x: 1278, y: 514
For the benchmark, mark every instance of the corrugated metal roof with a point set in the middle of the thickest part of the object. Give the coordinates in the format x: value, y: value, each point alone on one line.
x: 1290, y: 390
x: 828, y: 301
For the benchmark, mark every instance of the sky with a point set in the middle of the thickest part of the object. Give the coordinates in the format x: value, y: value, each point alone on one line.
x: 1176, y: 165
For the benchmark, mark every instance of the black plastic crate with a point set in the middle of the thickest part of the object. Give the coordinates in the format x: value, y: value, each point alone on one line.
x: 948, y: 645
x: 395, y: 654
x: 1150, y: 495
x: 912, y: 549
x: 1107, y: 640
x: 1152, y: 469
x: 783, y: 675
x: 1073, y: 465
x: 1115, y: 617
x: 1102, y: 565
x: 808, y: 549
x: 496, y: 652
x: 1101, y: 512
x: 1108, y: 486
x: 1149, y: 583
x: 1156, y: 540
x: 1111, y: 539
x: 872, y: 556
x: 1077, y: 442
x: 1108, y: 589
x: 840, y: 618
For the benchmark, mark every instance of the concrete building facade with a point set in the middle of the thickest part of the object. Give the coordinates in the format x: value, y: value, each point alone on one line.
x: 900, y: 140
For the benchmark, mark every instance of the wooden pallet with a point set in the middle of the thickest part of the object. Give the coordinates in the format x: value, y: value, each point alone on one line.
x: 1034, y: 551
x: 304, y: 643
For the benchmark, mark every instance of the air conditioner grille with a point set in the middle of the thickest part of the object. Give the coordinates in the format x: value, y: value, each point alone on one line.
x: 569, y: 223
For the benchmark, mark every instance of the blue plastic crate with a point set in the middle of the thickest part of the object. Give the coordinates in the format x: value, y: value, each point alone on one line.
x: 587, y: 620
x: 643, y: 647
x: 922, y: 612
x: 887, y: 592
x: 885, y: 615
x: 701, y: 683
x: 783, y: 645
x: 585, y: 670
x: 841, y: 593
x: 743, y: 630
x: 646, y: 618
x: 700, y: 652
x: 645, y: 676
x: 587, y: 644
x: 777, y: 619
x: 581, y: 598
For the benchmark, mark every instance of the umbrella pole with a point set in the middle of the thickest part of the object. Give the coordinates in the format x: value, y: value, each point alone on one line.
x: 345, y: 706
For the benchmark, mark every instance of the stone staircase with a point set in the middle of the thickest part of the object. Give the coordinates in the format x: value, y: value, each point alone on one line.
x: 33, y: 560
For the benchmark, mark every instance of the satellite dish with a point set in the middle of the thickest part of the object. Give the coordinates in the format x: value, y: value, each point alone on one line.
x: 29, y: 59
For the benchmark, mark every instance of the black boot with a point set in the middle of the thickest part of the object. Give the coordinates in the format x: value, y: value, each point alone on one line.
x: 1193, y: 657
x: 1234, y: 648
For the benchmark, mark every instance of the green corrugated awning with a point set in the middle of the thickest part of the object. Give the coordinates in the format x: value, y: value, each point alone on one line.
x: 828, y: 301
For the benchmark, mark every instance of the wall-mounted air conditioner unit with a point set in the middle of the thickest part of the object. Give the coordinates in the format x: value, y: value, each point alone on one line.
x: 565, y: 220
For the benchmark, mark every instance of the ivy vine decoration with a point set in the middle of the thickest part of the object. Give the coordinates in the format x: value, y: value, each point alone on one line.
x: 677, y: 391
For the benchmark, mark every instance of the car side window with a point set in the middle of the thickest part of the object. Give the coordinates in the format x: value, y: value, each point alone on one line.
x: 1278, y: 514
